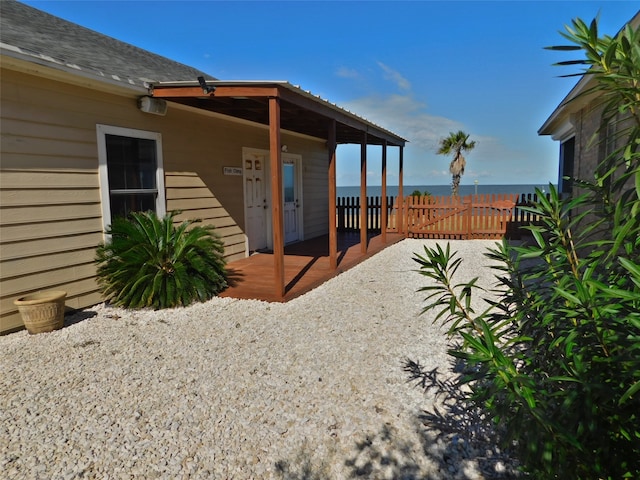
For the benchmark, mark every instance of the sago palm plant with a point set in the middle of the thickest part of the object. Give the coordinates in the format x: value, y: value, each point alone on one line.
x: 150, y: 262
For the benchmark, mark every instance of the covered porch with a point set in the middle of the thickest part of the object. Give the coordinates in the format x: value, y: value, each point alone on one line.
x: 306, y: 265
x: 291, y: 270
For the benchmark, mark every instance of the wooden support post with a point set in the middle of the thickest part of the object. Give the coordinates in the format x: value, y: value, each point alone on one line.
x: 401, y: 205
x: 363, y: 194
x: 277, y: 215
x: 383, y: 207
x: 333, y: 232
x: 468, y: 204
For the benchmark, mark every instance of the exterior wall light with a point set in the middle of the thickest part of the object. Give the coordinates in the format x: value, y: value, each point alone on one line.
x: 156, y: 106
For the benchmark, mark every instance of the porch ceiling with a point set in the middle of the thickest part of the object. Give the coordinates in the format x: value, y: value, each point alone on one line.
x: 300, y: 111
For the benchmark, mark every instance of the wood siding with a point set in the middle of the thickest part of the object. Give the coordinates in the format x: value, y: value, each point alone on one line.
x: 50, y: 213
x: 315, y: 185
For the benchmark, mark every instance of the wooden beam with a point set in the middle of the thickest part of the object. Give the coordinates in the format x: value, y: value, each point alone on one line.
x: 383, y: 213
x: 179, y: 92
x: 363, y: 194
x: 160, y: 91
x: 277, y: 215
x: 333, y: 229
x: 249, y: 91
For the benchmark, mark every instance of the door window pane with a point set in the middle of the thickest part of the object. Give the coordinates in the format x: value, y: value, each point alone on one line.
x: 288, y: 181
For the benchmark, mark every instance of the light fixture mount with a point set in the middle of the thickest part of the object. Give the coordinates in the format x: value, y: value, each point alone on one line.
x: 206, y: 88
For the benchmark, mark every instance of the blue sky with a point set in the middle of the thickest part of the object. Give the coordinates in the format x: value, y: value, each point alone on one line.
x: 419, y: 68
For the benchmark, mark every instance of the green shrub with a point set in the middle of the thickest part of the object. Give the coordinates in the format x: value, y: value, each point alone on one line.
x: 418, y: 193
x: 150, y: 262
x: 554, y: 361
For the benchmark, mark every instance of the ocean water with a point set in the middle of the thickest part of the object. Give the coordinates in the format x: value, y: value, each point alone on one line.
x: 440, y: 190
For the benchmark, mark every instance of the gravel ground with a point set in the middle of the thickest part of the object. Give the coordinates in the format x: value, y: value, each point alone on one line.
x: 311, y: 389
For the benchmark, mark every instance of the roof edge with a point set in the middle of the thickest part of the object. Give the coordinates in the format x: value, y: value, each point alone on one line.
x: 14, y: 58
x: 579, y: 88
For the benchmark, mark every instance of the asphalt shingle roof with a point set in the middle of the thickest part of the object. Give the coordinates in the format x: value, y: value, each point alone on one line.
x: 50, y: 39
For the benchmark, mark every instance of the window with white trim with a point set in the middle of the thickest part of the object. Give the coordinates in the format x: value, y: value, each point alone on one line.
x: 131, y: 172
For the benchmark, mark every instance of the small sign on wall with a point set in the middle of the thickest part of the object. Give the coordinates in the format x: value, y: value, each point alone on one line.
x: 232, y: 171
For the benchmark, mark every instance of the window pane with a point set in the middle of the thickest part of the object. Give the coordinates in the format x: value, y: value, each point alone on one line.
x: 288, y: 182
x: 123, y: 204
x: 567, y: 154
x: 131, y: 162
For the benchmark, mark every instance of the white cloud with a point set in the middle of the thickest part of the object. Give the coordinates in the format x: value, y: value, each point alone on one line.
x: 404, y: 115
x: 345, y: 72
x: 374, y: 178
x: 395, y: 76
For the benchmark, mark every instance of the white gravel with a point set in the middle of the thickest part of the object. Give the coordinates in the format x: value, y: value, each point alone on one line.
x: 313, y: 388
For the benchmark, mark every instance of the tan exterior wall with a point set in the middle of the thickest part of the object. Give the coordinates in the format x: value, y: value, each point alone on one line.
x: 50, y: 212
x: 315, y: 184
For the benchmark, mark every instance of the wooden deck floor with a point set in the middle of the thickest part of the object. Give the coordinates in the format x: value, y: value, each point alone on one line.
x: 306, y: 266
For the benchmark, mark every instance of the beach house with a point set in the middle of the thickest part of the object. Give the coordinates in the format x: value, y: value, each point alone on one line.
x: 93, y: 127
x: 577, y: 124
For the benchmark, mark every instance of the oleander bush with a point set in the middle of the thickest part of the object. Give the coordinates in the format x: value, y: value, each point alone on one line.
x: 554, y: 358
x: 150, y: 262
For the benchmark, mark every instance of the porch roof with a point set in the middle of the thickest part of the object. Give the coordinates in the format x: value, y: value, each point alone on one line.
x: 300, y: 110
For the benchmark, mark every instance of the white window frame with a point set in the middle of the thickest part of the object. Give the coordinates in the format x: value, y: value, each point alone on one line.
x: 102, y: 132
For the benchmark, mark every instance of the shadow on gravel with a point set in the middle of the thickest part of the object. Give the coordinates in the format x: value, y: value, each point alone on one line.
x: 455, y: 443
x: 303, y: 467
x: 386, y: 455
x: 383, y: 455
x: 78, y: 316
x: 466, y: 433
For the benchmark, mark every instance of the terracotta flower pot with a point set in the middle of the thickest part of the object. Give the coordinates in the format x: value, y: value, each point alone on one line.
x: 42, y: 312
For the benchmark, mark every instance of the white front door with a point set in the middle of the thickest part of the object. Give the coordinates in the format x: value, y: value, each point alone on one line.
x: 291, y: 200
x: 255, y: 200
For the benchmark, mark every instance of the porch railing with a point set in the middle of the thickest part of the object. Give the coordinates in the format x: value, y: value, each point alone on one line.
x: 472, y: 216
x: 348, y: 211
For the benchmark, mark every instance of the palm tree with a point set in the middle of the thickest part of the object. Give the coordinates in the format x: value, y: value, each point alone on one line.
x: 455, y: 144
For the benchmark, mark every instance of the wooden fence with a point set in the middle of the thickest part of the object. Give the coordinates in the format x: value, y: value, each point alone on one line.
x: 521, y: 217
x: 469, y: 217
x: 473, y: 216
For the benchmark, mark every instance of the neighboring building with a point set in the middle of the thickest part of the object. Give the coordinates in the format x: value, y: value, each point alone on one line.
x: 577, y: 124
x: 81, y: 143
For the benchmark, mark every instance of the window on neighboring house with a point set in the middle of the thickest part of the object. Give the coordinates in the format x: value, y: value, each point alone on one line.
x: 567, y: 155
x: 608, y: 144
x: 131, y: 172
x: 610, y: 141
